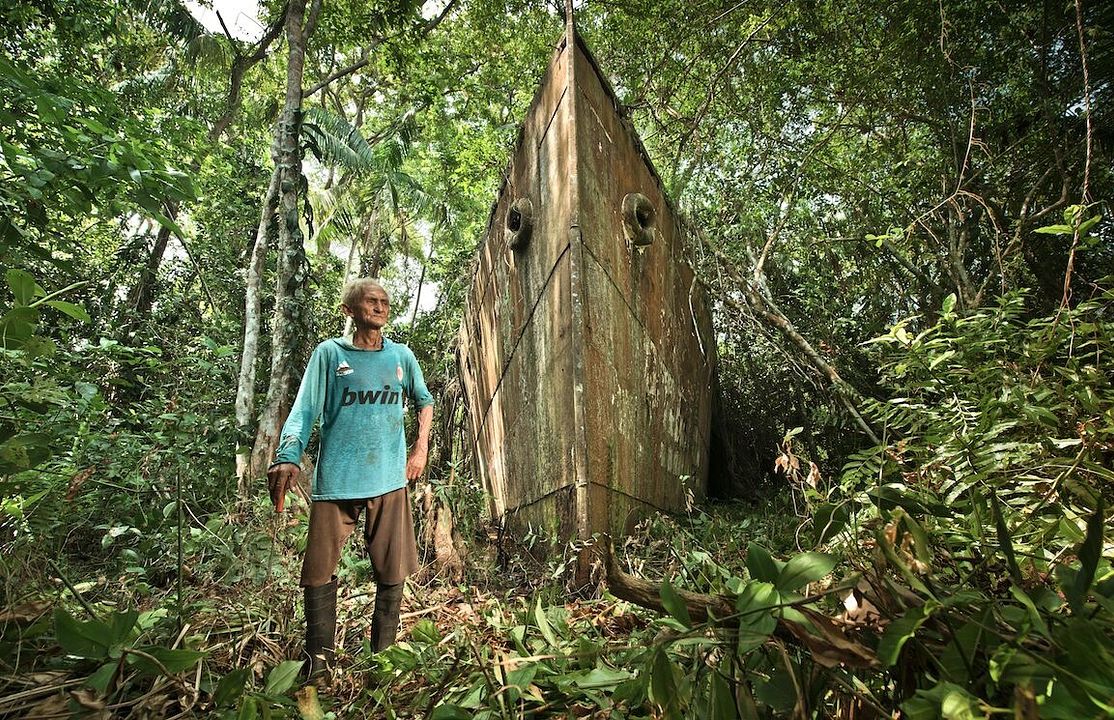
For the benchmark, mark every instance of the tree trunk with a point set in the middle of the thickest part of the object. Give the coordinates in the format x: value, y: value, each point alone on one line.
x: 289, y: 325
x: 245, y: 389
x: 439, y: 531
x: 142, y: 295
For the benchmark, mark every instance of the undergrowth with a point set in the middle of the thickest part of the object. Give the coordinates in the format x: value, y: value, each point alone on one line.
x: 960, y: 569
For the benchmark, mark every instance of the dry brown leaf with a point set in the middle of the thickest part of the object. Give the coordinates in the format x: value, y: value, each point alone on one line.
x: 832, y: 647
x: 57, y: 705
x: 25, y: 612
x: 813, y: 478
x: 88, y: 699
x: 1025, y: 703
x: 77, y: 481
x: 308, y: 705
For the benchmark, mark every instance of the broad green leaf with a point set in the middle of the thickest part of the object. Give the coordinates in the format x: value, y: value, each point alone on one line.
x: 75, y: 311
x: 1089, y: 553
x: 174, y: 661
x: 425, y: 632
x: 945, y: 700
x: 958, y: 704
x: 543, y: 623
x: 674, y: 605
x: 122, y: 624
x: 803, y: 569
x: 721, y: 701
x: 231, y: 687
x: 249, y: 709
x: 89, y: 639
x: 779, y: 692
x: 1055, y: 230
x: 756, y: 619
x: 102, y: 677
x: 16, y: 326
x: 829, y: 520
x: 900, y: 630
x: 450, y: 712
x: 23, y: 286
x: 1035, y: 618
x: 282, y: 677
x: 1005, y: 541
x: 522, y: 676
x: 603, y: 678
x: 665, y: 678
x: 761, y: 564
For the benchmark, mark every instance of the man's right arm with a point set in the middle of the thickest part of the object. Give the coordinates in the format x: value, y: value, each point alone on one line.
x: 299, y: 424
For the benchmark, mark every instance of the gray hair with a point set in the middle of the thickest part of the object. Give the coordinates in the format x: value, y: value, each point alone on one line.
x: 354, y: 291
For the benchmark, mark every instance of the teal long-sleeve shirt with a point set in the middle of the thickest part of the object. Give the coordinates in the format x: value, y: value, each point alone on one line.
x: 358, y: 395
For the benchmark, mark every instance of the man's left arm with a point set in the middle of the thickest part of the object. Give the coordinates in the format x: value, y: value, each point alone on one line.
x: 419, y: 454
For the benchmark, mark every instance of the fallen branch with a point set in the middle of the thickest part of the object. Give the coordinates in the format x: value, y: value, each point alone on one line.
x: 829, y: 645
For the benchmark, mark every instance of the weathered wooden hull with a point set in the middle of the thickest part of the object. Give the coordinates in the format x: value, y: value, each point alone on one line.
x: 587, y: 358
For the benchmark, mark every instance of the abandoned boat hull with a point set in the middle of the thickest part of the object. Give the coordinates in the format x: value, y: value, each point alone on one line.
x: 586, y: 356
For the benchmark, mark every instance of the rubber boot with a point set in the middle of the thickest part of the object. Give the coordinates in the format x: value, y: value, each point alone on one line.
x: 384, y: 621
x: 321, y: 630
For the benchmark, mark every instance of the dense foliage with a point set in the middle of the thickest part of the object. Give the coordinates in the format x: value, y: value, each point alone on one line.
x: 901, y: 210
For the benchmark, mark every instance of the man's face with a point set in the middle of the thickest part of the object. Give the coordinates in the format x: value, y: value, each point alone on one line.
x: 372, y: 311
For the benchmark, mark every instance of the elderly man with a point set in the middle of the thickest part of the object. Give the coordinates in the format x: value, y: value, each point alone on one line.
x: 356, y: 386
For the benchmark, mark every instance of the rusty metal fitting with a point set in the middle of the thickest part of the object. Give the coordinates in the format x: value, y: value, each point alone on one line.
x: 519, y: 223
x: 640, y: 219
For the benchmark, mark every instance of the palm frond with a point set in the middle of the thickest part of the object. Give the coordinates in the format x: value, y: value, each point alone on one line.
x: 333, y: 141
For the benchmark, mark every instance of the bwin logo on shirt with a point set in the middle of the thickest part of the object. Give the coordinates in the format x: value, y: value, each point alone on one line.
x: 369, y: 397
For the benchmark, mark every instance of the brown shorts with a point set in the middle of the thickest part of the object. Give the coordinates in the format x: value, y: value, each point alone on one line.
x: 388, y: 533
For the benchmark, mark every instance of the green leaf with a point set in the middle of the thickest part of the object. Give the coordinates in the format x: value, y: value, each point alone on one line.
x: 231, y: 687
x: 761, y: 564
x: 664, y: 684
x: 601, y: 678
x: 1055, y: 230
x: 175, y: 661
x: 803, y: 569
x: 90, y: 639
x: 249, y: 709
x: 900, y: 630
x: 721, y: 701
x: 282, y: 677
x: 75, y: 311
x: 425, y: 632
x: 949, y: 303
x: 23, y: 286
x: 674, y: 605
x: 958, y: 704
x: 829, y: 520
x: 543, y: 623
x: 1005, y: 541
x: 756, y: 619
x: 1086, y: 225
x: 17, y: 326
x: 1035, y: 617
x: 102, y: 677
x: 779, y: 692
x: 450, y: 712
x: 522, y: 676
x: 1089, y: 553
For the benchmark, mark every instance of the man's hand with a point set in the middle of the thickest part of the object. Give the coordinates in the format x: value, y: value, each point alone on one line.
x: 281, y: 478
x: 415, y: 464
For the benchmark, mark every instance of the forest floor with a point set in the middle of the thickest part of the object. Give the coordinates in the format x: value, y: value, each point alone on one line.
x: 505, y: 640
